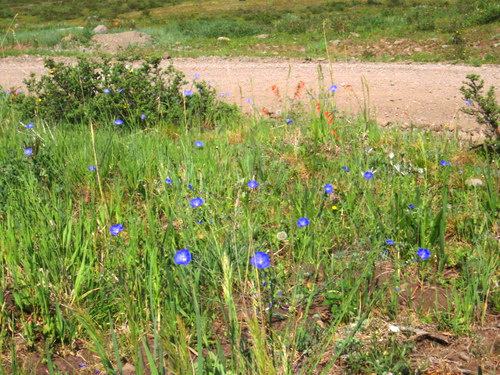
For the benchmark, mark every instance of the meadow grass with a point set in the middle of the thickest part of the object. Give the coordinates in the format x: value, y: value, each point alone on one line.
x: 69, y: 283
x: 366, y: 30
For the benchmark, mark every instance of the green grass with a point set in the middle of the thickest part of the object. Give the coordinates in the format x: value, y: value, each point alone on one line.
x: 188, y: 28
x: 121, y: 296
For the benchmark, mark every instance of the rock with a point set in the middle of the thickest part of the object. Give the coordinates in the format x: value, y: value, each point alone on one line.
x: 398, y: 42
x: 262, y: 36
x: 474, y: 182
x: 354, y: 35
x: 335, y: 42
x: 17, y: 26
x: 444, y: 46
x: 100, y: 29
x: 496, y: 45
x: 128, y: 369
x: 417, y: 49
x: 223, y: 38
x: 165, y: 56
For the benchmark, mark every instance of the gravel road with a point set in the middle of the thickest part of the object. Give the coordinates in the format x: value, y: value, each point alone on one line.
x: 421, y: 94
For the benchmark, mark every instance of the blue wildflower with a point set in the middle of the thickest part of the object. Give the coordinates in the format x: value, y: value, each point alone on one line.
x: 260, y: 260
x: 249, y: 100
x: 411, y: 206
x: 423, y: 253
x: 121, y: 90
x: 168, y: 181
x: 329, y: 189
x: 252, y: 184
x: 28, y: 151
x: 182, y: 257
x: 221, y: 94
x: 107, y: 91
x: 390, y: 242
x: 115, y: 229
x: 190, y: 186
x: 445, y: 163
x: 368, y: 175
x: 196, y: 202
x: 196, y: 75
x: 467, y: 102
x: 118, y: 122
x: 289, y: 120
x: 29, y: 126
x: 302, y: 222
x: 346, y: 169
x: 227, y: 94
x: 188, y: 93
x: 198, y: 144
x: 92, y: 168
x: 333, y: 88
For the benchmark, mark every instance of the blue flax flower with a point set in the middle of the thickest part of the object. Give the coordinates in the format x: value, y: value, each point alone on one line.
x: 182, y: 257
x: 115, y: 229
x: 329, y: 189
x: 188, y: 93
x: 390, y: 242
x: 29, y: 126
x: 107, y: 91
x: 197, y: 75
x: 289, y: 120
x: 252, y: 184
x: 411, y: 206
x: 196, y: 202
x: 423, y: 253
x: 333, y: 88
x: 143, y: 116
x: 168, y: 181
x: 92, y: 168
x: 260, y: 260
x: 302, y: 222
x: 28, y: 151
x: 346, y: 169
x: 118, y: 122
x: 445, y: 163
x: 198, y: 144
x: 368, y: 175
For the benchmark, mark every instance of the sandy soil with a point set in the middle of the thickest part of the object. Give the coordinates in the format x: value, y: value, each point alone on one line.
x: 421, y: 94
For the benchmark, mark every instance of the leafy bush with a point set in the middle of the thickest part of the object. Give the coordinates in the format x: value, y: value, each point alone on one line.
x: 485, y: 108
x: 103, y: 92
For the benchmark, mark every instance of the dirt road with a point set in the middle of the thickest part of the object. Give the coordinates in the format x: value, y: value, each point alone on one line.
x: 422, y: 94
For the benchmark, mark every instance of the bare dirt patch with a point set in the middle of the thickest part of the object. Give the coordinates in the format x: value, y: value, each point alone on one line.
x: 118, y: 42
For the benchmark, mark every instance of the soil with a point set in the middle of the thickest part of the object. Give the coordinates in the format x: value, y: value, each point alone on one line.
x: 401, y: 93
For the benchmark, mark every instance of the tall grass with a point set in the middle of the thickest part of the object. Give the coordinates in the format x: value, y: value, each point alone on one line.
x: 123, y: 295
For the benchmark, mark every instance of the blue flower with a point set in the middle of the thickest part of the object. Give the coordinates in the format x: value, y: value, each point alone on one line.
x: 118, y: 122
x: 196, y: 202
x: 260, y: 260
x: 115, y: 229
x: 107, y: 91
x: 227, y: 94
x: 92, y: 168
x: 121, y: 90
x: 188, y: 93
x: 190, y: 186
x: 28, y: 151
x: 222, y: 95
x: 289, y: 120
x: 368, y: 175
x: 329, y: 189
x: 182, y: 257
x: 29, y: 126
x: 252, y: 184
x: 445, y: 163
x: 7, y: 92
x: 333, y: 88
x: 411, y: 206
x: 423, y: 253
x: 390, y: 242
x: 346, y: 169
x: 249, y: 100
x: 198, y: 144
x: 196, y: 75
x: 143, y: 116
x: 467, y: 102
x: 302, y: 222
x: 168, y: 181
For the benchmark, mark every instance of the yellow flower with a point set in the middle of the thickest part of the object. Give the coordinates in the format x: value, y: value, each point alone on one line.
x: 125, y: 106
x: 131, y: 70
x: 335, y: 208
x: 51, y: 72
x: 39, y: 99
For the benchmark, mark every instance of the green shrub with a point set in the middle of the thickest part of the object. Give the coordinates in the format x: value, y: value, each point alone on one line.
x: 102, y: 92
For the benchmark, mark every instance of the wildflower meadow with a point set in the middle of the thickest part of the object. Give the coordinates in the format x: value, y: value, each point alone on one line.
x: 155, y: 230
